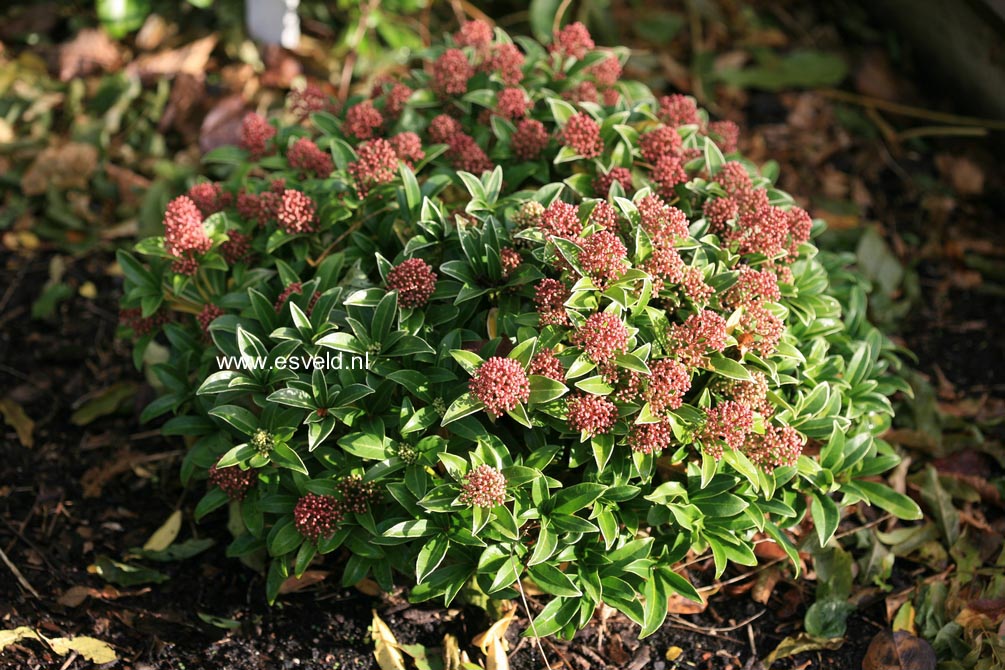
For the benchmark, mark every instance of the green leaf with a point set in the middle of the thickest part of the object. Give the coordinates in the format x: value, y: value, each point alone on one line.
x: 826, y: 516
x: 284, y: 538
x: 462, y: 407
x: 828, y: 618
x: 553, y: 617
x: 729, y: 368
x: 544, y: 389
x: 554, y: 581
x: 468, y: 360
x: 574, y: 498
x: 238, y: 417
x: 284, y: 456
x: 430, y: 557
x: 898, y: 504
x: 411, y: 528
x: 124, y: 574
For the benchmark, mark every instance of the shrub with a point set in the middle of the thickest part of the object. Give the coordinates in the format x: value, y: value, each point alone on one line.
x: 613, y: 348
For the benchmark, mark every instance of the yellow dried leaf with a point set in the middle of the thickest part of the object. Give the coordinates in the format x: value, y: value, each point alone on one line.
x: 385, y: 646
x: 905, y: 618
x: 451, y: 653
x: 15, y: 416
x: 493, y: 643
x: 166, y: 534
x: 92, y: 649
x: 673, y: 653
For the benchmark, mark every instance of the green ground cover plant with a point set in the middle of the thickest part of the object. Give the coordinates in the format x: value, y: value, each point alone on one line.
x: 511, y: 317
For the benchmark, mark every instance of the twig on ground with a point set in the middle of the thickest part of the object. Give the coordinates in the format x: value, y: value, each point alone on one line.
x: 913, y: 112
x: 17, y: 574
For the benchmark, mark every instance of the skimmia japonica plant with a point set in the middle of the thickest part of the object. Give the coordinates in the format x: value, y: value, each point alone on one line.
x: 511, y: 318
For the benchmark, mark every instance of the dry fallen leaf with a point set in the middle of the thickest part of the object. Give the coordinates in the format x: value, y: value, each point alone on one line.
x: 797, y: 644
x: 451, y: 653
x: 166, y: 534
x: 385, y: 646
x: 965, y: 176
x: 190, y: 59
x: 90, y: 648
x: 309, y: 578
x: 493, y: 643
x: 91, y: 51
x: 898, y: 651
x: 678, y: 604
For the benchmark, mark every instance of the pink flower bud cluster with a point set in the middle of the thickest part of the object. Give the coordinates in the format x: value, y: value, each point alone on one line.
x: 206, y: 316
x: 512, y: 103
x: 582, y: 134
x: 142, y: 325
x: 477, y: 34
x: 752, y: 394
x: 500, y: 384
x: 529, y: 139
x: 727, y: 423
x: 210, y: 198
x: 573, y: 40
x: 550, y: 297
x: 510, y: 260
x: 650, y: 438
x: 702, y: 332
x: 778, y: 446
x: 546, y: 364
x: 357, y: 496
x: 660, y: 142
x: 305, y: 156
x: 605, y: 216
x: 727, y: 134
x: 236, y: 248
x: 591, y: 414
x: 483, y: 486
x: 560, y: 219
x: 408, y: 148
x: 603, y: 336
x: 362, y: 120
x: 233, y: 481
x: 603, y: 257
x: 602, y: 182
x: 414, y: 280
x: 376, y: 163
x: 663, y: 223
x: 451, y: 73
x: 317, y: 516
x: 297, y: 212
x: 256, y: 133
x: 184, y: 234
x: 669, y: 380
x: 678, y: 110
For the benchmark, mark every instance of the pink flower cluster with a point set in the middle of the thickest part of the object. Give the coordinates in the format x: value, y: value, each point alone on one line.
x: 603, y: 336
x: 560, y: 219
x: 376, y: 163
x: 664, y: 224
x: 605, y: 216
x: 408, y: 147
x: 512, y: 103
x: 305, y: 156
x: 414, y: 280
x: 206, y: 316
x: 500, y: 384
x: 775, y: 448
x: 602, y: 182
x: 702, y: 332
x: 451, y: 73
x: 297, y: 213
x: 582, y: 134
x: 256, y: 133
x: 669, y: 380
x: 591, y: 414
x: 233, y: 481
x: 678, y: 110
x: 752, y: 394
x: 507, y: 62
x: 546, y: 364
x: 650, y: 438
x: 463, y: 152
x: 529, y: 139
x: 236, y: 248
x: 510, y: 260
x: 184, y: 234
x: 483, y: 486
x: 550, y: 297
x: 133, y: 319
x: 476, y: 34
x: 362, y: 120
x: 727, y: 423
x: 660, y: 142
x: 316, y: 516
x: 603, y: 257
x: 210, y: 198
x: 572, y: 40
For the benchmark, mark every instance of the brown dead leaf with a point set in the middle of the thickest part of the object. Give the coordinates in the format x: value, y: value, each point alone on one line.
x: 309, y: 578
x: 962, y: 173
x: 189, y: 59
x: 184, y: 108
x: 765, y: 585
x: 76, y: 595
x: 222, y: 125
x: 67, y: 166
x: 678, y: 604
x: 898, y: 651
x: 493, y: 643
x: 281, y: 67
x: 385, y: 646
x: 90, y: 52
x: 154, y: 33
x: 369, y: 587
